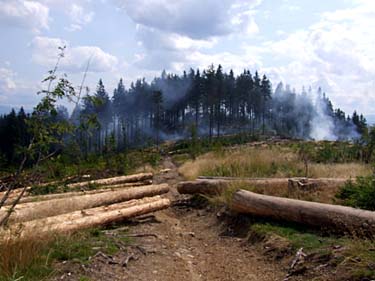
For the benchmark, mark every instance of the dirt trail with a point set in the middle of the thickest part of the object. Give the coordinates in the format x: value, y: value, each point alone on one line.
x: 187, y: 247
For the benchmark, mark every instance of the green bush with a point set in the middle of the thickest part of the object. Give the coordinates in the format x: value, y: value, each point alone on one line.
x: 360, y: 194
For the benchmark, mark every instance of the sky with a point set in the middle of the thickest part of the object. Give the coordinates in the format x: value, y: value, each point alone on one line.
x: 299, y: 42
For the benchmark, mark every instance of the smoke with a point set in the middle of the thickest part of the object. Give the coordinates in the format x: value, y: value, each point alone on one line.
x: 322, y: 124
x: 310, y: 115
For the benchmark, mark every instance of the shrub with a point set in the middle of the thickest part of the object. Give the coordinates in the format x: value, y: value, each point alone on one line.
x: 359, y: 194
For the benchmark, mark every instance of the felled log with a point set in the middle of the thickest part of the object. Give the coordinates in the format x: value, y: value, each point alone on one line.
x: 115, y: 180
x: 38, y: 198
x: 310, y: 213
x: 37, y: 210
x: 78, y: 220
x: 204, y: 187
x: 282, y: 181
x: 216, y: 185
x: 27, y: 197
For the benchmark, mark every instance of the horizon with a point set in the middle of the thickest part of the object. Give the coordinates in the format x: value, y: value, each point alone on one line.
x: 290, y: 41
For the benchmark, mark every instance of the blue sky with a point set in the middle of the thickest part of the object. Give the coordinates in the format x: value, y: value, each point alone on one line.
x: 303, y: 43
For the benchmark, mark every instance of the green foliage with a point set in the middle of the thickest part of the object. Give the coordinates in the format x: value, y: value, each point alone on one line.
x: 360, y: 194
x: 298, y: 237
x: 329, y: 152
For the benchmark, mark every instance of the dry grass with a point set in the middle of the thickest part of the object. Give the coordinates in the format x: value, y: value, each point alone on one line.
x: 265, y: 162
x: 21, y: 255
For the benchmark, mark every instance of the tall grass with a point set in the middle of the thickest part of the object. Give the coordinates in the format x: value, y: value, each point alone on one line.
x: 32, y: 259
x: 265, y: 162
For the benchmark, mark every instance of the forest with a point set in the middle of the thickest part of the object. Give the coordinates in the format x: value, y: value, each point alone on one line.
x: 207, y: 103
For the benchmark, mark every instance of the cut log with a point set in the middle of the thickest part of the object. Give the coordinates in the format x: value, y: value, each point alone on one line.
x: 283, y: 181
x: 310, y: 213
x: 204, y: 187
x: 115, y: 180
x: 214, y: 186
x: 71, y: 222
x: 109, y: 188
x: 37, y: 210
x: 27, y: 197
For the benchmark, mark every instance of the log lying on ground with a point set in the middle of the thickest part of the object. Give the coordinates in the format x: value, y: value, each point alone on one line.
x: 115, y: 180
x: 205, y: 187
x: 37, y: 210
x: 214, y: 186
x: 310, y: 213
x: 71, y: 222
x: 284, y: 181
x: 27, y: 197
x: 38, y: 198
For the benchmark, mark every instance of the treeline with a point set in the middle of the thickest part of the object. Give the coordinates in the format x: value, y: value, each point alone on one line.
x: 208, y: 103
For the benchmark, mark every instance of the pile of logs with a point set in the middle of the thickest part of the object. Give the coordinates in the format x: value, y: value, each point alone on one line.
x: 117, y: 199
x: 310, y: 213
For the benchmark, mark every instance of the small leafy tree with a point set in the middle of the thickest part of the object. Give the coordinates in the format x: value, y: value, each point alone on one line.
x: 46, y: 131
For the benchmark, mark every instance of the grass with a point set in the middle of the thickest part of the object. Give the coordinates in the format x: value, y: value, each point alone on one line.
x: 265, y: 162
x: 355, y: 259
x: 33, y: 259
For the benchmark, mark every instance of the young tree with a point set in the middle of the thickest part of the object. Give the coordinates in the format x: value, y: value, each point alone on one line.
x: 45, y: 132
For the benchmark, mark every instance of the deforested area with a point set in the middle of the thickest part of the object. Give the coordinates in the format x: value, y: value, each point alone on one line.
x: 187, y: 140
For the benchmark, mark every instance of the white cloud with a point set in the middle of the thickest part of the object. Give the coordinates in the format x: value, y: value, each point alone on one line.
x: 79, y: 17
x: 24, y: 14
x: 7, y: 80
x: 335, y: 53
x: 194, y: 18
x: 45, y: 51
x: 175, y: 34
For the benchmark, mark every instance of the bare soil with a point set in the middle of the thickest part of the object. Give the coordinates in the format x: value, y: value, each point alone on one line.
x: 186, y: 243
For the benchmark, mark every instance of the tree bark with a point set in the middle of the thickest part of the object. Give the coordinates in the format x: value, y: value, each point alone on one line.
x: 310, y: 213
x: 29, y: 198
x: 114, y: 180
x: 204, y: 187
x: 78, y: 220
x: 216, y: 185
x: 37, y: 210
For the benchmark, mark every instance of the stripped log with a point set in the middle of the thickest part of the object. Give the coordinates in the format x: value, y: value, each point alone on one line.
x: 37, y: 210
x: 205, y: 187
x: 38, y: 198
x: 310, y: 213
x: 28, y: 197
x: 214, y: 186
x: 283, y: 181
x: 78, y: 220
x: 115, y: 180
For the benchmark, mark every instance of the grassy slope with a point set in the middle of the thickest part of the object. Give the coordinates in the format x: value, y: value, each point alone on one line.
x: 356, y: 256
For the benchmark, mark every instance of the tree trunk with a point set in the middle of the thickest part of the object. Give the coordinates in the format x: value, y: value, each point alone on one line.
x: 71, y: 222
x: 37, y: 210
x: 205, y: 187
x: 114, y: 180
x: 310, y: 213
x: 109, y: 188
x: 216, y: 185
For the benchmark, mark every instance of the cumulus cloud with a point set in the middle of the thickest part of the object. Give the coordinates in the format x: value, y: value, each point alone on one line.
x: 174, y: 34
x: 7, y: 80
x: 194, y: 18
x: 24, y: 14
x: 45, y: 51
x: 335, y: 53
x: 79, y: 17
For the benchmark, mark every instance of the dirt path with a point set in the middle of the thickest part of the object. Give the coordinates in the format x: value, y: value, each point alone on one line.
x: 187, y: 247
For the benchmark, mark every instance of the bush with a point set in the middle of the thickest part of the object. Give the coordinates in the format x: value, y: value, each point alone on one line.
x: 360, y: 194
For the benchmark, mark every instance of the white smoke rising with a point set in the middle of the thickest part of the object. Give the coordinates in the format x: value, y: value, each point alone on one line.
x: 322, y: 126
